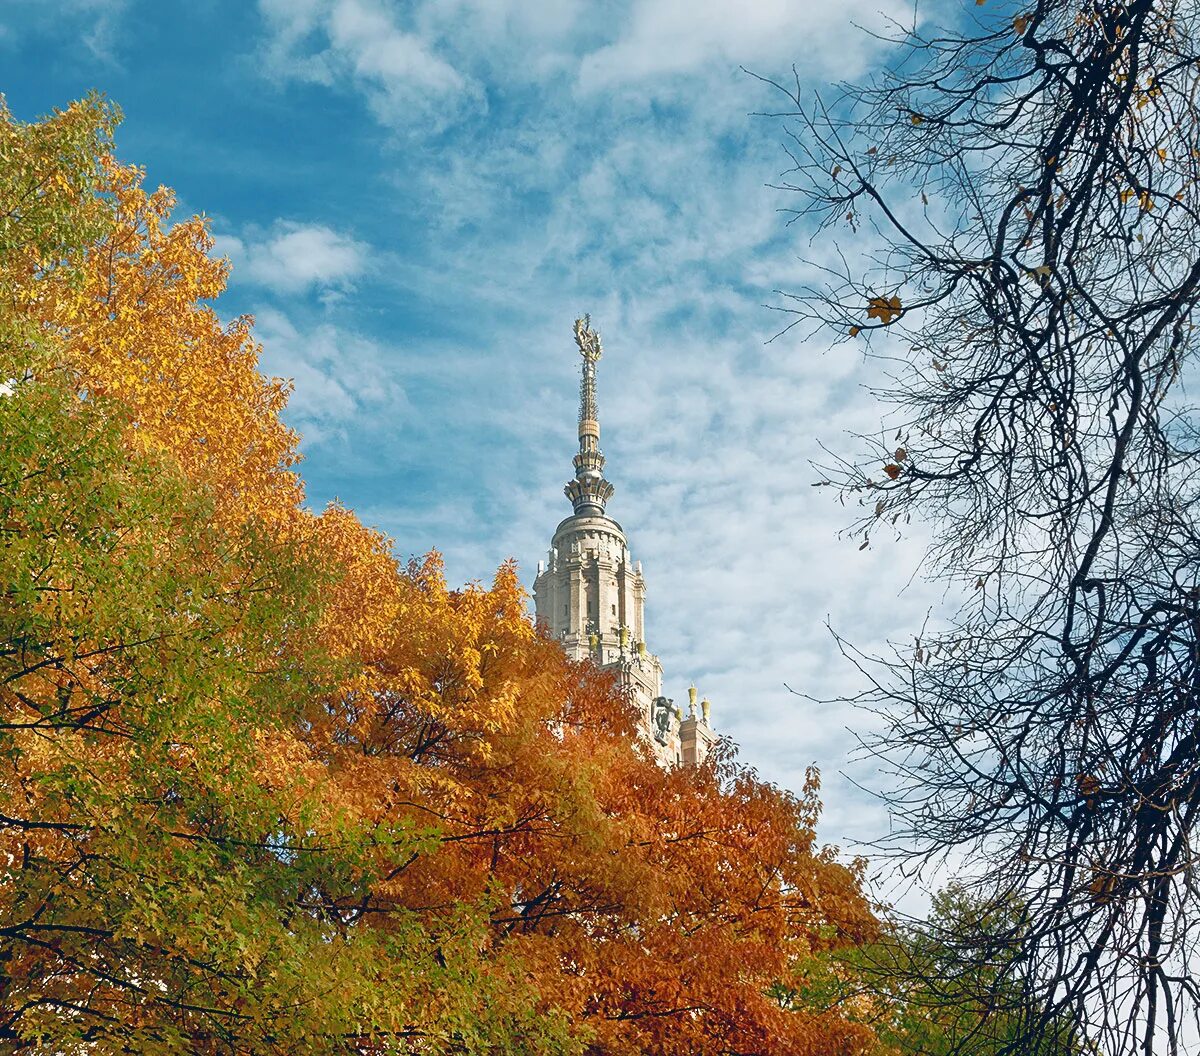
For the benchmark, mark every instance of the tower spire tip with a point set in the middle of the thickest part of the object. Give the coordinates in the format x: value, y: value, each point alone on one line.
x: 589, y: 491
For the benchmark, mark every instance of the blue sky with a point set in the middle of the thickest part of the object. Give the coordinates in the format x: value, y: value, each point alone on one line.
x: 419, y: 198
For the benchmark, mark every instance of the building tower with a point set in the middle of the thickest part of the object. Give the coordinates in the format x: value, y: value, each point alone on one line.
x: 591, y: 597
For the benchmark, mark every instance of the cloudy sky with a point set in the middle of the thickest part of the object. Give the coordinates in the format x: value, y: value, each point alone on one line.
x: 418, y: 199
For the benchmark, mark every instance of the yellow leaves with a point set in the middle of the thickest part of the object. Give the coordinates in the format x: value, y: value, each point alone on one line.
x: 1152, y: 92
x: 916, y: 119
x: 1103, y: 887
x: 1144, y: 198
x: 855, y: 331
x: 137, y: 327
x: 1020, y: 24
x: 362, y: 734
x: 885, y: 309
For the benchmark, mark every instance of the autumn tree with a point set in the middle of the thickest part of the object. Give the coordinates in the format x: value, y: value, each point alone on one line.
x: 172, y: 867
x: 654, y: 907
x: 1023, y: 186
x: 264, y: 788
x: 922, y: 989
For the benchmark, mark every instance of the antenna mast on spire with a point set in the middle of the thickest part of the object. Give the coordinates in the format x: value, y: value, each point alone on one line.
x: 589, y: 491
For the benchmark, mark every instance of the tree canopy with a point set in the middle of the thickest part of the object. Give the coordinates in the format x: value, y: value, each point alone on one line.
x: 264, y: 788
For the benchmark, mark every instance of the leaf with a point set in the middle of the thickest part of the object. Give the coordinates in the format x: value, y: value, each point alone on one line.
x: 865, y: 544
x: 892, y: 470
x: 916, y: 119
x: 855, y: 331
x: 885, y: 309
x: 900, y: 455
x: 1020, y: 24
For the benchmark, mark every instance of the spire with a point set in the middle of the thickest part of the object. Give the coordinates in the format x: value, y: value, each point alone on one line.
x: 589, y: 491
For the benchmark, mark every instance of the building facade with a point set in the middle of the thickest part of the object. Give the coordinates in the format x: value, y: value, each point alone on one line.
x: 590, y: 594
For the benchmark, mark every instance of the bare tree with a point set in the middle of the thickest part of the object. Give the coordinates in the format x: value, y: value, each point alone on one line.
x: 1025, y: 196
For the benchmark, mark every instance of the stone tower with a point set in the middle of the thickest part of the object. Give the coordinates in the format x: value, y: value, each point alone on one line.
x: 591, y: 596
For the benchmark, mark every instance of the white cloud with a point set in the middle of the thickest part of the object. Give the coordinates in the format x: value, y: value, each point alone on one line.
x: 294, y: 258
x: 360, y: 44
x: 342, y: 380
x: 664, y: 38
x: 656, y: 219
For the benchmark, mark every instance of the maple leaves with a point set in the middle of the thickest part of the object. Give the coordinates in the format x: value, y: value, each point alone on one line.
x: 885, y: 309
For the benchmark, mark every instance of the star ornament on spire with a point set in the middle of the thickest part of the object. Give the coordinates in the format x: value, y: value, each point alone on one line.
x: 588, y: 339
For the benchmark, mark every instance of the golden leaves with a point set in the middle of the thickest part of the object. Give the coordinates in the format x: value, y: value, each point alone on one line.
x: 1144, y: 198
x: 1020, y: 24
x: 138, y: 327
x: 1103, y: 887
x: 885, y: 309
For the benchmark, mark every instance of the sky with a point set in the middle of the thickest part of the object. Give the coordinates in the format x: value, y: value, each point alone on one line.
x: 419, y: 198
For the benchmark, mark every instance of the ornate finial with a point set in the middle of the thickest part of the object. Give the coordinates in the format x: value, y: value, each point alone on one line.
x: 588, y: 339
x: 589, y: 491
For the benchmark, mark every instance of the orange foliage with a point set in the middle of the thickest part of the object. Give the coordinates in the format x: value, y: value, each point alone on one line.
x: 655, y: 908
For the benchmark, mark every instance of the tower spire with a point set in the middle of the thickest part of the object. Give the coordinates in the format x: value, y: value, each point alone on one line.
x: 589, y: 491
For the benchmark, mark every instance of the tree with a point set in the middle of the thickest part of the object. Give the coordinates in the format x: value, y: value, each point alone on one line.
x: 655, y: 908
x: 170, y: 878
x: 1025, y: 191
x: 263, y: 789
x: 922, y: 989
